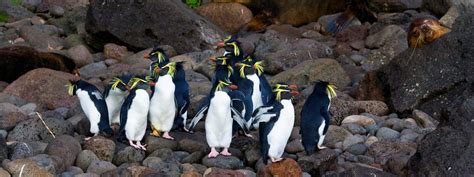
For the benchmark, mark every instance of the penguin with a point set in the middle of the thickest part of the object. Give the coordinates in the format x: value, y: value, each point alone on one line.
x: 93, y: 104
x: 219, y: 110
x: 163, y: 103
x: 134, y: 113
x: 276, y: 123
x: 157, y: 56
x: 232, y: 48
x: 115, y: 93
x: 315, y: 117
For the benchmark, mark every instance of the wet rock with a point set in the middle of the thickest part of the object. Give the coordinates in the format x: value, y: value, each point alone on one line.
x: 355, y: 128
x: 66, y: 148
x: 92, y: 70
x: 30, y: 168
x: 115, y: 51
x: 360, y: 120
x: 352, y: 140
x: 318, y: 163
x: 294, y: 147
x: 99, y: 167
x: 220, y: 13
x: 81, y: 55
x: 85, y: 158
x: 217, y: 172
x: 46, y: 96
x: 310, y: 71
x: 226, y: 162
x: 387, y: 133
x: 194, y: 157
x: 287, y: 167
x: 155, y: 143
x: 186, y: 36
x: 335, y: 134
x: 357, y: 149
x: 102, y: 147
x: 34, y: 130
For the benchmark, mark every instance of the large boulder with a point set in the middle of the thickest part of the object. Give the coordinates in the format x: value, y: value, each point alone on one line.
x: 448, y: 150
x: 440, y: 7
x: 18, y: 60
x: 431, y: 78
x: 34, y: 130
x: 229, y: 16
x: 13, y: 11
x: 153, y: 22
x: 44, y: 87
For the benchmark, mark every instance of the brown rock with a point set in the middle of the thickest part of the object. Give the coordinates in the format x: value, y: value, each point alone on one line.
x: 115, y: 51
x: 218, y: 172
x: 371, y: 88
x: 378, y: 108
x: 10, y: 116
x: 310, y: 71
x: 229, y: 16
x: 353, y: 33
x: 286, y: 167
x: 360, y: 120
x: 30, y: 168
x: 191, y: 174
x: 66, y: 4
x: 318, y: 163
x: 49, y: 89
x: 81, y: 55
x: 65, y: 147
x: 384, y: 150
x: 102, y: 147
x: 334, y: 135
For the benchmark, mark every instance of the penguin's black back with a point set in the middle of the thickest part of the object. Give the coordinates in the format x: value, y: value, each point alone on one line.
x: 265, y: 128
x: 127, y: 103
x: 181, y: 94
x: 314, y: 111
x: 99, y: 102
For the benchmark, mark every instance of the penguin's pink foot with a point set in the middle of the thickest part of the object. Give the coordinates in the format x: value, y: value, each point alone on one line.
x: 213, y: 153
x: 249, y: 135
x: 185, y: 129
x: 143, y: 147
x: 226, y: 152
x: 133, y: 144
x: 166, y: 135
x: 87, y: 138
x: 321, y: 147
x: 274, y: 160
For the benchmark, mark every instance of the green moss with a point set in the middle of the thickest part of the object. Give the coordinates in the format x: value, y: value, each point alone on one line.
x: 3, y: 16
x: 16, y: 2
x: 193, y: 3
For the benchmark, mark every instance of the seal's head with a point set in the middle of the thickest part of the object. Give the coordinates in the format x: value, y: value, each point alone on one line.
x: 423, y: 31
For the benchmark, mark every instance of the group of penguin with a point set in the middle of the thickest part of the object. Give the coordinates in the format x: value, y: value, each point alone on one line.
x: 240, y: 100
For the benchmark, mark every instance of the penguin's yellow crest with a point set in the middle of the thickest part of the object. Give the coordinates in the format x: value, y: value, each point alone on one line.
x: 70, y: 88
x: 159, y: 55
x: 330, y: 90
x: 115, y: 81
x: 236, y: 48
x: 221, y: 85
x: 171, y: 68
x: 259, y: 67
x: 242, y: 69
x: 134, y: 81
x: 278, y: 92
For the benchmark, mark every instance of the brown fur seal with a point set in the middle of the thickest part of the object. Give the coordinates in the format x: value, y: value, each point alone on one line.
x: 423, y: 31
x: 18, y: 60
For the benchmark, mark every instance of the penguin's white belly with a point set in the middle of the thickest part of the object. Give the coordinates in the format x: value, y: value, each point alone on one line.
x: 219, y: 121
x: 281, y: 131
x: 137, y: 116
x: 89, y: 109
x: 162, y: 104
x: 114, y: 102
x: 257, y: 94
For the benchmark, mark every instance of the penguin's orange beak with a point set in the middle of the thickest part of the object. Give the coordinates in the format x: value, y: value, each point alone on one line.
x: 220, y: 44
x: 213, y: 58
x: 146, y: 56
x: 157, y: 70
x: 237, y: 64
x: 233, y: 87
x: 293, y: 87
x: 295, y: 93
x: 127, y: 87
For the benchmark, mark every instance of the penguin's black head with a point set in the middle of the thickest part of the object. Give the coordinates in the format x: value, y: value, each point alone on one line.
x: 325, y: 88
x: 231, y: 46
x: 121, y: 82
x: 72, y: 87
x: 284, y: 91
x: 225, y: 85
x: 138, y: 83
x: 250, y: 66
x: 169, y: 68
x: 157, y: 55
x: 245, y: 68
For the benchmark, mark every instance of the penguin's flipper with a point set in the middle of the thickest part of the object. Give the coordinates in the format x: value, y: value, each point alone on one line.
x: 199, y: 115
x: 238, y: 118
x: 266, y: 90
x: 261, y: 110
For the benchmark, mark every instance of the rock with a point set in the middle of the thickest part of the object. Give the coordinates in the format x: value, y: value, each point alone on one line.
x: 46, y: 96
x: 87, y: 175
x: 21, y: 150
x: 10, y: 116
x: 29, y: 108
x: 409, y: 135
x: 220, y: 13
x: 30, y: 168
x: 166, y: 155
x: 387, y: 133
x: 155, y: 143
x: 4, y: 173
x: 424, y: 120
x: 194, y: 157
x: 395, y: 124
x: 287, y: 167
x: 56, y: 11
x: 66, y: 148
x: 34, y: 130
x: 3, y: 149
x: 13, y: 11
x: 335, y: 134
x: 72, y: 171
x: 92, y: 70
x: 383, y: 150
x: 252, y: 155
x: 294, y: 147
x: 365, y: 159
x: 85, y: 158
x: 351, y: 140
x: 310, y: 71
x: 378, y: 108
x: 115, y: 51
x: 81, y: 55
x: 99, y: 167
x: 226, y: 162
x: 40, y: 39
x: 3, y: 133
x: 180, y: 155
x: 362, y: 171
x: 379, y: 39
x: 359, y: 120
x: 191, y: 146
x: 191, y: 174
x: 49, y: 163
x: 318, y: 163
x: 355, y: 128
x: 156, y: 163
x: 371, y: 140
x: 281, y: 53
x: 394, y: 6
x: 450, y: 16
x: 247, y: 173
x: 357, y: 149
x: 439, y: 8
x: 217, y: 172
x: 102, y: 147
x: 191, y: 32
x: 447, y: 149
